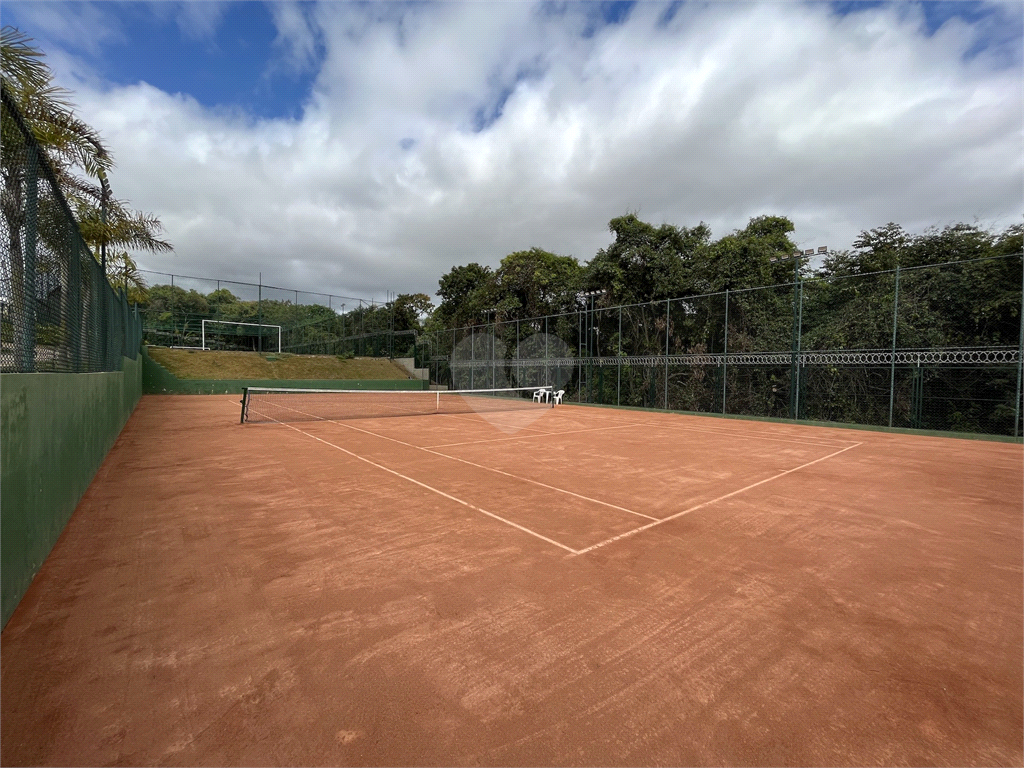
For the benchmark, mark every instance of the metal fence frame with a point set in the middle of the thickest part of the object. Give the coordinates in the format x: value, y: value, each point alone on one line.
x: 58, y: 312
x: 649, y: 373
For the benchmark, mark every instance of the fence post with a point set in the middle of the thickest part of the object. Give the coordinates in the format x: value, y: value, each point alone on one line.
x: 892, y: 369
x: 725, y: 350
x: 799, y: 335
x: 28, y: 286
x: 580, y: 343
x: 794, y: 342
x: 618, y: 383
x: 547, y: 377
x: 75, y: 301
x: 668, y: 326
x: 1020, y: 362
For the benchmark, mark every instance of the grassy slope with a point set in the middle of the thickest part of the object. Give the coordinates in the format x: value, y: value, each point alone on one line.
x: 195, y: 364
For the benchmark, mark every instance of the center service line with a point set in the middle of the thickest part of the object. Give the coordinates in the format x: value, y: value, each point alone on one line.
x: 498, y: 471
x: 430, y: 488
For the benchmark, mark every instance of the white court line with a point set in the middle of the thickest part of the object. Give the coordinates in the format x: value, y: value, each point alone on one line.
x: 497, y: 471
x: 495, y: 413
x: 429, y: 488
x: 712, y: 501
x: 730, y: 432
x: 525, y: 437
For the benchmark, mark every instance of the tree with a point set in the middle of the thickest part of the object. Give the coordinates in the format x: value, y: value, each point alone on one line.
x: 117, y: 226
x: 408, y: 309
x: 67, y: 143
x: 66, y: 140
x: 123, y: 273
x: 466, y: 292
x: 535, y: 283
x: 646, y: 263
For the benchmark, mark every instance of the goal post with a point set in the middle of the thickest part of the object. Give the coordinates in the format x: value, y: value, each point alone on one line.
x: 261, y: 326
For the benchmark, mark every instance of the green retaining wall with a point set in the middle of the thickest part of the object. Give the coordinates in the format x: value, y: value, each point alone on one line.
x: 157, y: 380
x: 55, y: 431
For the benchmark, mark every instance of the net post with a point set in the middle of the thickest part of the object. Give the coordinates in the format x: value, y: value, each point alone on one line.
x: 245, y: 400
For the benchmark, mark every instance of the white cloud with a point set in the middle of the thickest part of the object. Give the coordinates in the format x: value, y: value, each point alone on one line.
x: 729, y: 111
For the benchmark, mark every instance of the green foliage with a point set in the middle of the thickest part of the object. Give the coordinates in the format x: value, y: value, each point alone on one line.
x: 535, y: 283
x: 466, y: 292
x: 170, y: 299
x: 408, y: 309
x: 645, y: 263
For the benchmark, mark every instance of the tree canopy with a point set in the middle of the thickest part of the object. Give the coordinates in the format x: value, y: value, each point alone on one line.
x: 71, y: 148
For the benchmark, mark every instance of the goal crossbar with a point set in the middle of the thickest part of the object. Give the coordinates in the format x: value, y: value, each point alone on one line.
x: 252, y: 325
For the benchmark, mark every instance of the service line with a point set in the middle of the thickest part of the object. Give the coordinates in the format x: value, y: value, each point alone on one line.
x: 712, y: 501
x: 544, y: 434
x: 497, y: 471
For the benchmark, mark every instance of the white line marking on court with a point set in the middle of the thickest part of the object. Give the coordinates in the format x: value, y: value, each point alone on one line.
x: 712, y: 501
x: 430, y: 488
x: 498, y: 471
x: 733, y: 433
x: 488, y: 418
x: 525, y: 437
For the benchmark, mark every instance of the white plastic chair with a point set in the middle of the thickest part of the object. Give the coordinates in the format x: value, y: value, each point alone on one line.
x: 539, y: 395
x: 557, y: 396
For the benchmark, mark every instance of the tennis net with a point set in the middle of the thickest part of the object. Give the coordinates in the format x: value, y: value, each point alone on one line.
x: 262, y: 404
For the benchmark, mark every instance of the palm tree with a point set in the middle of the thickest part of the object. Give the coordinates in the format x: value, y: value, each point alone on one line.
x: 38, y: 119
x: 113, y: 223
x: 67, y: 143
x: 124, y: 275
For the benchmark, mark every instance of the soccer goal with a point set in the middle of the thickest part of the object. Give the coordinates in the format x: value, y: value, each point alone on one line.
x: 261, y: 326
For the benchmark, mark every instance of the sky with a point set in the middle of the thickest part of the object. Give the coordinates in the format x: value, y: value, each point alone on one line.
x: 360, y: 148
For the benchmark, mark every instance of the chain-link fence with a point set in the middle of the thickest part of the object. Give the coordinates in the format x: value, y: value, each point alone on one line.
x: 195, y: 312
x: 933, y: 347
x: 57, y: 310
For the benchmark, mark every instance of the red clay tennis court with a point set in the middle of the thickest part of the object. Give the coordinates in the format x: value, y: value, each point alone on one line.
x: 560, y: 586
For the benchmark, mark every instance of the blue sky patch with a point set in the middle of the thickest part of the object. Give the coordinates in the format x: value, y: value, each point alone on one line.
x: 237, y: 67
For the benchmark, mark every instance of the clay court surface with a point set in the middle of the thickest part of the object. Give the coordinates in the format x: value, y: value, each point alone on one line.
x: 572, y: 586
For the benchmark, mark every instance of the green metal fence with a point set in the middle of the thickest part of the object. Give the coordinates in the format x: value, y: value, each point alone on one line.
x: 935, y: 347
x: 57, y: 310
x: 311, y: 323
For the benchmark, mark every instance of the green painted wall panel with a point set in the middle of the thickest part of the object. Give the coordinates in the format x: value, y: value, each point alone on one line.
x: 55, y: 431
x: 157, y: 380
